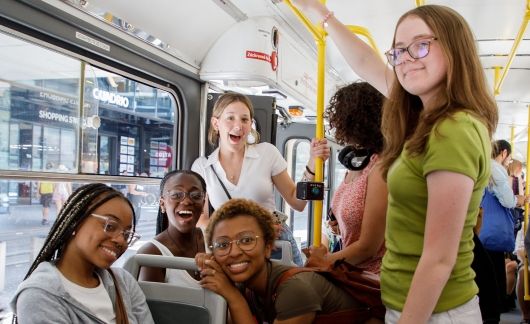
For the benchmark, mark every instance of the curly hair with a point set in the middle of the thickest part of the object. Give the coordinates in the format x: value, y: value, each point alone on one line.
x: 354, y: 112
x: 243, y: 207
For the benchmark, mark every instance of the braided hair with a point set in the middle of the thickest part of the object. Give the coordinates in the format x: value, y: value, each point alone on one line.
x: 79, y: 206
x: 161, y: 219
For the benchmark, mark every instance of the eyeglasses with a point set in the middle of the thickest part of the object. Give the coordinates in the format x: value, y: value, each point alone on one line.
x: 112, y: 228
x: 245, y: 243
x: 178, y: 196
x: 417, y: 50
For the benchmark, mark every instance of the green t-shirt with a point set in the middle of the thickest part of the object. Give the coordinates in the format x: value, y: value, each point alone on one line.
x: 459, y: 144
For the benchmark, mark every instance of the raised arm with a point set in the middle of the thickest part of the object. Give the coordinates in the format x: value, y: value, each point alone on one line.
x: 286, y: 186
x: 363, y: 60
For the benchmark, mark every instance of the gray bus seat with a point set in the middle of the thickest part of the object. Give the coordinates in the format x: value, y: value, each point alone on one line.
x: 287, y: 253
x: 171, y: 303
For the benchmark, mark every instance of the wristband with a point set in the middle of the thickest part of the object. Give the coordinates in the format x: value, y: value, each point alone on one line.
x: 309, y: 170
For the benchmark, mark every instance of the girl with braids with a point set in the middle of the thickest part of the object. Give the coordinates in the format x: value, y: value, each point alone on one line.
x: 182, y: 195
x: 71, y: 280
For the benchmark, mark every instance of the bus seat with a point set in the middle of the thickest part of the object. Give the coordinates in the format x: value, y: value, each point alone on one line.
x: 170, y: 303
x: 287, y: 252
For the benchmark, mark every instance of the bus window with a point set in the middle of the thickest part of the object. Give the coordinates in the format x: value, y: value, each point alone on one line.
x: 297, y: 156
x: 123, y: 127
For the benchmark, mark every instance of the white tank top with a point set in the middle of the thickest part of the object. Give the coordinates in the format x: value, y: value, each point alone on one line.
x: 173, y: 275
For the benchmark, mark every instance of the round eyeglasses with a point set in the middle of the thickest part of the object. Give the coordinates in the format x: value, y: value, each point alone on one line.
x: 223, y: 247
x: 417, y: 50
x: 178, y: 196
x: 112, y: 228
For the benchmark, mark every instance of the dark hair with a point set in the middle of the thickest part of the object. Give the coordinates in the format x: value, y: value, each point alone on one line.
x: 78, y: 206
x: 355, y: 112
x: 161, y: 218
x: 499, y: 146
x: 243, y: 207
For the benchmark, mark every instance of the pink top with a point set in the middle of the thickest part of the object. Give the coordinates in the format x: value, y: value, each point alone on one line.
x: 348, y: 207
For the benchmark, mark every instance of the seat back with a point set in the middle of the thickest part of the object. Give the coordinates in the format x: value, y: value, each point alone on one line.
x: 287, y: 252
x: 172, y: 303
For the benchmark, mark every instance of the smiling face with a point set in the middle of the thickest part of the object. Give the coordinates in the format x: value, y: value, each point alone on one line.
x: 91, y: 245
x: 425, y: 76
x: 233, y: 125
x: 183, y: 215
x: 239, y: 265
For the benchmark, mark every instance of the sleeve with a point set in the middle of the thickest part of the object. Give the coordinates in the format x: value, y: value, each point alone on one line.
x: 501, y: 186
x: 139, y: 308
x: 457, y: 145
x: 198, y: 166
x: 278, y: 162
x: 38, y: 306
x: 296, y: 297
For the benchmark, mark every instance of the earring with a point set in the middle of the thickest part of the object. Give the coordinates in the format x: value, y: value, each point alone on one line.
x: 73, y: 233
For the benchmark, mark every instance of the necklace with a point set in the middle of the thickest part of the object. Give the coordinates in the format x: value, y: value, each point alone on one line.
x: 194, y: 238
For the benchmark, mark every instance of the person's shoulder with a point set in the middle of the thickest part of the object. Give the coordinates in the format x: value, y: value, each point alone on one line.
x: 149, y: 248
x: 461, y: 123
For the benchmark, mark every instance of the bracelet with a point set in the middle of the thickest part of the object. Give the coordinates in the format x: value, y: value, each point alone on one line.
x: 324, y: 22
x: 305, y: 177
x: 309, y: 170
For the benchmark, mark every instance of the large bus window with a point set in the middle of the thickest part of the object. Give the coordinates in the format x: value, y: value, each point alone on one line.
x: 64, y: 122
x: 127, y: 126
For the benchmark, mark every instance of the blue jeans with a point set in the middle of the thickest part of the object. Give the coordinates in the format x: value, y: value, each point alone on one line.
x: 287, y: 235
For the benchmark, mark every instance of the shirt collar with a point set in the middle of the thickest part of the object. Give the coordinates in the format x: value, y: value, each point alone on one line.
x: 250, y: 153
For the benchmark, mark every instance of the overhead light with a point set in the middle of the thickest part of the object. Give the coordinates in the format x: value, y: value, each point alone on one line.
x: 296, y: 111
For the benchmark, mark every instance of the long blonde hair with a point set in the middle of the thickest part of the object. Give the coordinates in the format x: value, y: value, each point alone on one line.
x: 222, y: 102
x: 404, y: 118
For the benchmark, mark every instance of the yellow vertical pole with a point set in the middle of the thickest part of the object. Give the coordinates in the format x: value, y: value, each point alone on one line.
x: 496, y: 78
x: 319, y: 34
x: 319, y: 134
x: 525, y: 223
x: 512, y: 137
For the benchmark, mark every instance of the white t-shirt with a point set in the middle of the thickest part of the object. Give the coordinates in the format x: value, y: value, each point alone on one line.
x: 97, y: 300
x: 262, y: 161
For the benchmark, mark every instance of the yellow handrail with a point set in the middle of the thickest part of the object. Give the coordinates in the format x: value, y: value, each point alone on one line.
x: 363, y: 31
x: 320, y: 37
x: 515, y: 45
x: 496, y: 78
x: 320, y: 34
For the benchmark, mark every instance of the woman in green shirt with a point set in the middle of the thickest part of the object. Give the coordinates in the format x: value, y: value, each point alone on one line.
x: 437, y: 124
